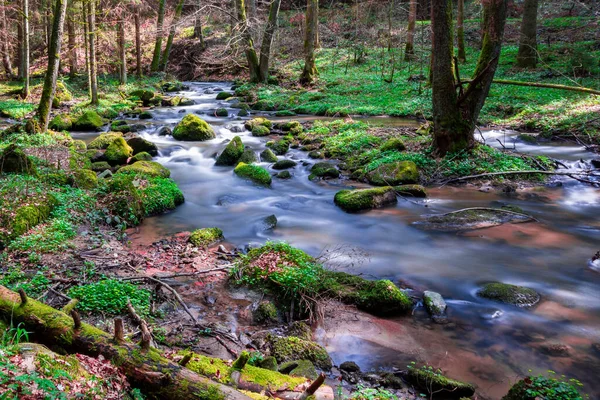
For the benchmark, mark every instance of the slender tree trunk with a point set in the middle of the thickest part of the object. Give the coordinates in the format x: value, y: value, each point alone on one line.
x: 44, y: 21
x: 410, y: 34
x: 138, y: 42
x: 455, y: 114
x: 92, y: 51
x: 159, y: 36
x: 53, y: 64
x: 198, y: 25
x: 251, y: 57
x: 310, y: 69
x: 527, y: 56
x: 48, y: 12
x: 4, y: 45
x: 72, y: 41
x: 86, y: 45
x: 122, y: 53
x: 20, y: 48
x: 164, y: 61
x: 265, y: 48
x: 460, y: 31
x: 25, y: 49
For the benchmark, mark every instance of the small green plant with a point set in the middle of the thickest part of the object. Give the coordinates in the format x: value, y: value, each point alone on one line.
x: 14, y: 335
x: 365, y: 393
x: 110, y: 296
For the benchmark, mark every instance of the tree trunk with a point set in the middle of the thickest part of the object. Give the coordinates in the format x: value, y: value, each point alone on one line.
x: 310, y: 69
x: 455, y: 115
x: 122, y: 53
x: 86, y: 45
x: 92, y: 48
x: 25, y: 48
x: 146, y: 369
x: 72, y: 41
x: 4, y: 45
x: 165, y: 56
x: 138, y: 42
x: 159, y: 36
x: 460, y: 31
x: 198, y: 25
x: 527, y: 56
x: 410, y: 34
x: 251, y: 9
x: 251, y: 57
x: 265, y: 48
x: 48, y: 12
x: 53, y: 64
x: 19, y: 48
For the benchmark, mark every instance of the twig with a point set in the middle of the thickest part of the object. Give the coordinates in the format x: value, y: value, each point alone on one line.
x: 526, y: 172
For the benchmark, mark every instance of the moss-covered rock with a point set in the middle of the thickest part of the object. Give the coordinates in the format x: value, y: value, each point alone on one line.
x: 149, y: 168
x: 221, y: 112
x: 186, y: 102
x: 78, y: 146
x: 14, y: 160
x: 435, y: 305
x: 28, y: 216
x: 411, y: 191
x: 232, y: 152
x: 323, y: 170
x: 393, y: 144
x: 61, y: 95
x: 267, y: 155
x: 248, y: 157
x: 291, y: 348
x: 104, y: 140
x: 259, y: 121
x: 79, y: 160
x: 85, y: 179
x: 279, y: 147
x: 293, y: 127
x: 255, y: 173
x: 260, y: 131
x: 100, y: 166
x: 139, y: 144
x: 303, y: 368
x: 88, y: 121
x: 142, y: 156
x: 315, y: 154
x: 118, y: 152
x: 395, y: 173
x: 433, y: 382
x: 171, y: 101
x: 265, y: 313
x: 172, y: 86
x: 145, y: 95
x: 61, y: 122
x: 145, y: 115
x: 284, y: 164
x: 365, y: 199
x: 120, y: 125
x: 223, y: 95
x: 300, y: 330
x: 284, y: 175
x: 510, y: 294
x: 206, y: 236
x: 269, y: 363
x: 193, y: 128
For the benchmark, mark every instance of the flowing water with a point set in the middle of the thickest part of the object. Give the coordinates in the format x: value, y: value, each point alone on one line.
x: 486, y: 343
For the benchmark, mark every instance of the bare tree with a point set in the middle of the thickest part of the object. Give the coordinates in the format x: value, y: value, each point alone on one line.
x: 198, y: 25
x: 310, y: 69
x: 25, y: 48
x: 251, y: 57
x: 122, y: 52
x: 159, y: 36
x: 72, y: 40
x: 527, y: 55
x: 93, y: 77
x: 164, y: 60
x: 410, y: 34
x: 265, y: 48
x: 4, y: 41
x: 138, y: 41
x: 460, y: 31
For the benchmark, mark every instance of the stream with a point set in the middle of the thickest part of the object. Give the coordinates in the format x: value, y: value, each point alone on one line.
x: 486, y: 343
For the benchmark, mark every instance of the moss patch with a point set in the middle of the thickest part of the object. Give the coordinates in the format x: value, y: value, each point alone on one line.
x: 323, y: 170
x: 149, y: 168
x: 292, y: 348
x: 258, y: 122
x: 206, y: 236
x: 255, y: 173
x: 85, y: 179
x: 232, y: 152
x: 510, y: 294
x: 88, y: 121
x: 193, y: 128
x: 104, y: 140
x: 118, y: 152
x: 61, y: 122
x: 365, y: 199
x: 392, y: 174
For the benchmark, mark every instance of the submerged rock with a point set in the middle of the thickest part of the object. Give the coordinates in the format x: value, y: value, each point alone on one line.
x: 435, y: 305
x: 284, y: 175
x: 471, y: 218
x: 248, y: 156
x: 510, y: 294
x: 268, y: 223
x: 365, y: 199
x: 555, y: 349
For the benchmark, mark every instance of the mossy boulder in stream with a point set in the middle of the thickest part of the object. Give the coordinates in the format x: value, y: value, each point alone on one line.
x: 88, y: 121
x: 145, y: 95
x: 149, y: 168
x: 392, y: 174
x: 365, y: 199
x: 193, y: 128
x: 323, y: 170
x: 139, y: 144
x: 14, y: 160
x: 279, y: 147
x: 259, y: 121
x: 221, y: 112
x: 284, y: 164
x: 267, y: 155
x: 293, y: 127
x: 223, y: 95
x: 260, y: 131
x: 248, y: 157
x: 292, y: 348
x: 510, y: 294
x: 143, y: 156
x: 104, y: 140
x: 206, y: 236
x: 232, y: 152
x: 255, y: 173
x: 432, y: 382
x: 411, y: 191
x: 61, y: 122
x: 118, y: 152
x: 471, y: 218
x: 303, y: 368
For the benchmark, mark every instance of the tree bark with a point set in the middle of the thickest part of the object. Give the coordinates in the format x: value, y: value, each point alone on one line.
x: 251, y: 9
x: 92, y: 48
x: 19, y: 48
x: 164, y: 61
x: 198, y: 25
x: 454, y: 115
x: 138, y: 42
x: 25, y: 48
x: 86, y: 45
x: 267, y: 41
x: 72, y: 41
x: 410, y: 34
x: 4, y: 45
x: 122, y: 52
x: 147, y: 369
x: 159, y: 36
x: 460, y: 31
x: 310, y: 69
x: 53, y: 64
x: 251, y: 57
x: 527, y: 55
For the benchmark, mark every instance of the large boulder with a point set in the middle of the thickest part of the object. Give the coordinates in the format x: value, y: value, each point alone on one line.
x: 393, y: 144
x: 193, y: 128
x: 88, y: 121
x: 14, y: 160
x: 255, y: 173
x: 85, y: 179
x: 149, y: 168
x: 292, y: 348
x: 411, y: 191
x: 395, y: 173
x: 510, y: 294
x: 118, y: 152
x: 61, y: 122
x: 365, y: 199
x: 104, y: 140
x: 323, y: 170
x: 267, y: 155
x: 232, y: 152
x: 139, y: 144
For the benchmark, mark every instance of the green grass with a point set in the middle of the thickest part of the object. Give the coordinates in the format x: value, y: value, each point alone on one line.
x: 110, y: 296
x: 15, y: 108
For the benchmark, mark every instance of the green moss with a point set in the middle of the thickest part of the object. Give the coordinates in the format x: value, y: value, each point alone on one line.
x: 269, y: 363
x: 145, y: 115
x: 411, y: 191
x: 393, y: 144
x: 260, y: 131
x: 118, y: 152
x: 148, y: 168
x: 432, y: 381
x: 79, y: 160
x: 293, y: 127
x: 14, y: 160
x: 285, y: 113
x: 266, y: 312
x: 511, y: 294
x: 61, y: 122
x: 193, y: 128
x: 85, y: 179
x: 248, y: 157
x: 300, y: 330
x: 365, y: 199
x: 284, y: 175
x: 303, y: 368
x: 223, y: 95
x: 221, y: 112
x: 292, y: 348
x: 279, y: 147
x: 104, y: 140
x: 141, y: 156
x: 255, y: 173
x: 88, y: 121
x: 145, y: 95
x: 284, y: 164
x: 78, y: 145
x: 323, y: 170
x: 267, y: 155
x: 206, y: 236
x: 260, y: 121
x: 547, y: 388
x: 397, y: 173
x: 61, y: 95
x: 232, y: 152
x: 100, y: 166
x: 28, y: 216
x: 139, y: 144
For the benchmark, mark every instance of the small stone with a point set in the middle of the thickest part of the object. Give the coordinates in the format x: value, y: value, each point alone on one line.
x: 349, y: 366
x: 105, y: 174
x: 436, y: 306
x: 165, y: 131
x: 269, y: 223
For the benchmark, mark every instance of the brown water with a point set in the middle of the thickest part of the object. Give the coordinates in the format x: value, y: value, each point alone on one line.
x: 485, y: 343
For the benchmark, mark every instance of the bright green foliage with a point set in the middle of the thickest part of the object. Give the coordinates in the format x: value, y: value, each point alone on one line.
x: 549, y: 387
x: 232, y: 152
x: 255, y: 173
x: 206, y: 236
x: 46, y: 239
x: 285, y: 113
x: 88, y: 121
x: 16, y: 279
x: 118, y: 152
x: 104, y: 140
x: 260, y: 131
x: 193, y: 128
x: 148, y: 168
x: 367, y: 393
x: 365, y: 199
x: 15, y: 109
x: 259, y: 121
x: 61, y: 122
x: 110, y: 297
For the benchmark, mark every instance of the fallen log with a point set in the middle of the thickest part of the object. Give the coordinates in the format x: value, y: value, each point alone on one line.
x: 147, y: 369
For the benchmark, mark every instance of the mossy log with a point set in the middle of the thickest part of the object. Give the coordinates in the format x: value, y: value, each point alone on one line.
x: 147, y: 369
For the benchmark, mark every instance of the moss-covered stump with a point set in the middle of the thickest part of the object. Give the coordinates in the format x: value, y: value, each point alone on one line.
x: 279, y: 147
x: 232, y: 152
x: 393, y: 144
x: 61, y: 122
x: 139, y: 144
x: 193, y: 128
x: 323, y: 170
x: 303, y: 368
x: 143, y: 156
x: 14, y: 160
x: 223, y: 95
x: 85, y: 179
x: 510, y: 294
x: 471, y: 218
x: 267, y: 155
x: 100, y: 166
x: 149, y: 168
x: 434, y: 383
x: 104, y: 140
x: 248, y: 157
x: 284, y: 164
x: 365, y: 199
x: 206, y: 236
x: 392, y: 174
x: 411, y: 191
x: 265, y: 313
x: 255, y: 173
x: 260, y: 131
x: 260, y: 121
x: 291, y: 348
x: 118, y: 152
x: 88, y: 121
